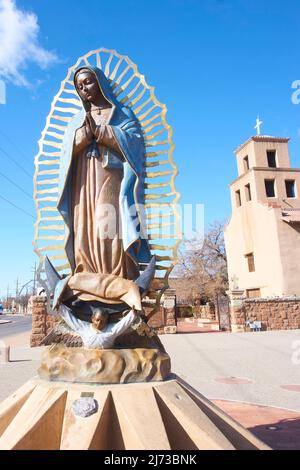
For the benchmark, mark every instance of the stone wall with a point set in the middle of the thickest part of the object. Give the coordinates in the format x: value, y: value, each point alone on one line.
x: 274, y: 314
x: 206, y: 312
x: 280, y: 313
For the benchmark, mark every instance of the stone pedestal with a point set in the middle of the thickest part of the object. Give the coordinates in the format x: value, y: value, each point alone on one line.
x: 104, y: 366
x: 169, y: 415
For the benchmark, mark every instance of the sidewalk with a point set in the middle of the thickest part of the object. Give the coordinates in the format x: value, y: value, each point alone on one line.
x: 21, y: 339
x: 23, y: 364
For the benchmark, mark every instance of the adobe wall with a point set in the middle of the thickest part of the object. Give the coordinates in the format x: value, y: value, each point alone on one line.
x: 279, y: 313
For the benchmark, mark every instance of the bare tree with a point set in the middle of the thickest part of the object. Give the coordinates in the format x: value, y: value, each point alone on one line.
x: 202, y: 266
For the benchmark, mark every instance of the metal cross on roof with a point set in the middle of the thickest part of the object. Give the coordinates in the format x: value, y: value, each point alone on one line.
x: 234, y: 279
x: 258, y: 124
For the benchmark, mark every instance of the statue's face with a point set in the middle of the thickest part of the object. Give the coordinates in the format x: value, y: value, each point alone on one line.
x: 99, y: 320
x: 87, y: 86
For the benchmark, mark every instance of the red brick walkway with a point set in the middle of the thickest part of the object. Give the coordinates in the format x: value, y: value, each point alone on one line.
x: 277, y: 427
x: 186, y: 327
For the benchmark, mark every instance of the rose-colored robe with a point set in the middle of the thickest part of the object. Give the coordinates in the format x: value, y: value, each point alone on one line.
x: 103, y: 269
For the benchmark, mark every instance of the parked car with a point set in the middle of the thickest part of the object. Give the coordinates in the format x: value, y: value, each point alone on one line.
x: 1, y: 309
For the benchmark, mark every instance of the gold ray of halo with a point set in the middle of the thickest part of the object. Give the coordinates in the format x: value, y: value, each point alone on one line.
x: 157, y: 163
x: 158, y: 196
x: 114, y: 72
x: 159, y: 215
x: 52, y: 227
x: 50, y: 154
x: 138, y: 98
x: 48, y: 172
x: 152, y: 119
x: 156, y: 186
x: 53, y: 181
x: 61, y: 118
x: 56, y: 135
x: 150, y: 137
x: 65, y: 258
x: 131, y: 93
x: 107, y: 66
x: 50, y: 248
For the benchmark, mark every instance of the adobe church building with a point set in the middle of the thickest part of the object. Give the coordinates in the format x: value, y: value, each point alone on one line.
x: 262, y: 237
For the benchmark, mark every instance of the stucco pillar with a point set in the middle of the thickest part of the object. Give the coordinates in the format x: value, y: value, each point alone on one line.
x: 169, y: 306
x: 236, y: 310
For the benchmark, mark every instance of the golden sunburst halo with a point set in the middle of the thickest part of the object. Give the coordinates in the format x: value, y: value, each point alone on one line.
x: 161, y: 197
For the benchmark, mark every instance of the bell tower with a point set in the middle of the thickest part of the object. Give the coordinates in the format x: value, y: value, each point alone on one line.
x: 263, y: 234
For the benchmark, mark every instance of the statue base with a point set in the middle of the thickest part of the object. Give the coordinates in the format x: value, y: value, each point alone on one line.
x: 44, y: 415
x: 104, y: 366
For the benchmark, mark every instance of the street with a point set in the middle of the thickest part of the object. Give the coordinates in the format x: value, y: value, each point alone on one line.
x: 19, y: 324
x: 261, y: 368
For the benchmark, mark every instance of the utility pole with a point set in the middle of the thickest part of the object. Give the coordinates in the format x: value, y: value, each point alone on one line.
x: 17, y: 294
x: 7, y: 293
x: 34, y: 279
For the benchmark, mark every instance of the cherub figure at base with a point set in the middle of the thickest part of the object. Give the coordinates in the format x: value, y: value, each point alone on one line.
x: 98, y: 325
x: 99, y: 333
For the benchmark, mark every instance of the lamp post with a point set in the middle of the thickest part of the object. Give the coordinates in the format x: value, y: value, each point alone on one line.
x: 19, y: 293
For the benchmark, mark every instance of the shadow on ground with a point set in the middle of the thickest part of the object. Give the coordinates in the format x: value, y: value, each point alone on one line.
x: 280, y: 435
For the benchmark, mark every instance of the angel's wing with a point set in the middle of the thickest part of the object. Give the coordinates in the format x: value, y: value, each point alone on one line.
x: 62, y: 333
x: 161, y: 197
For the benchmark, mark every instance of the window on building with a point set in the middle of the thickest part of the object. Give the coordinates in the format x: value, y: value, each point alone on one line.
x: 253, y: 293
x: 246, y: 163
x: 248, y: 192
x: 238, y: 198
x: 250, y: 260
x: 271, y: 156
x: 290, y: 188
x: 270, y: 188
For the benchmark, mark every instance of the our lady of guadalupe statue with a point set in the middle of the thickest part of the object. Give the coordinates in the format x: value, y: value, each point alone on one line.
x: 105, y: 129
x: 101, y: 197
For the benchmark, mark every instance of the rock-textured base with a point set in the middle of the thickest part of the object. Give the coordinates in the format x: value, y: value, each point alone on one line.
x: 104, y: 366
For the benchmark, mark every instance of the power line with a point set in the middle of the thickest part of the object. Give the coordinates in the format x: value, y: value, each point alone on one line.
x: 22, y: 210
x: 17, y: 207
x: 14, y: 145
x: 16, y: 185
x: 16, y: 163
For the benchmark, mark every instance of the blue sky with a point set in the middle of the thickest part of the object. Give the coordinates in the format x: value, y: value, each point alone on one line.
x: 216, y: 64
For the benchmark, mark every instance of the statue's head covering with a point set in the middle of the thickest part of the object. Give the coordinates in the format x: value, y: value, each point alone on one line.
x: 128, y: 133
x: 103, y: 83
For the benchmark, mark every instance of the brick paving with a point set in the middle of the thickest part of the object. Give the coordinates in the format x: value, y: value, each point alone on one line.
x: 277, y: 427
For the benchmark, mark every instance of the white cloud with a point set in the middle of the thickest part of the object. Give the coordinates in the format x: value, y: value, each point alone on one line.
x: 19, y: 43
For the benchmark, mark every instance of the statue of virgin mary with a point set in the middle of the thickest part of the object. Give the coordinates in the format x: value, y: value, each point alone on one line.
x: 101, y: 197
